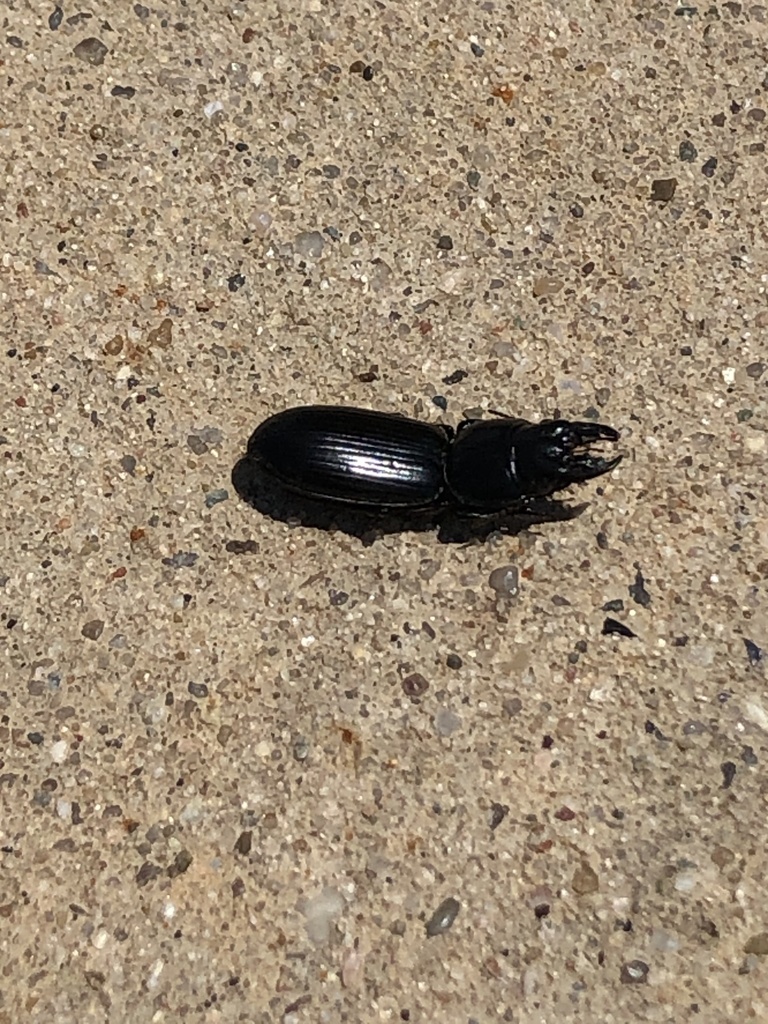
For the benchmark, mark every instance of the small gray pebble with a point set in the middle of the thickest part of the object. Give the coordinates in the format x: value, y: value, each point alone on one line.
x: 505, y: 581
x: 198, y: 689
x: 215, y: 497
x: 446, y: 722
x: 181, y: 560
x: 196, y: 444
x: 309, y: 243
x: 443, y: 917
x: 300, y: 749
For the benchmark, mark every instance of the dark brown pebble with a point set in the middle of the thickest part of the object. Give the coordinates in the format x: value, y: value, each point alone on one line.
x: 637, y: 591
x: 198, y: 689
x: 244, y: 843
x: 635, y: 972
x: 242, y: 547
x: 91, y: 50
x: 454, y: 661
x: 146, y: 873
x: 123, y: 92
x: 455, y: 377
x: 728, y: 768
x: 181, y: 862
x: 663, y: 189
x: 498, y: 814
x: 565, y: 814
x: 754, y: 653
x: 92, y: 630
x: 415, y: 685
x: 612, y: 627
x: 445, y: 242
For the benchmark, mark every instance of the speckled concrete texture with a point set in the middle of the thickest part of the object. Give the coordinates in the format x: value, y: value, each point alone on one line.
x: 246, y: 762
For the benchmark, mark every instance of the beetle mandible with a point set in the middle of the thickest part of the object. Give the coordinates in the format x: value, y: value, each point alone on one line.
x: 378, y: 460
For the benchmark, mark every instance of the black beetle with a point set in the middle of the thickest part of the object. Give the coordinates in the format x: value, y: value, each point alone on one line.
x: 384, y: 461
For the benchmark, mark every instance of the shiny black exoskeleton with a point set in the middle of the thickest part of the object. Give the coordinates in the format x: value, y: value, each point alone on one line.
x: 384, y: 461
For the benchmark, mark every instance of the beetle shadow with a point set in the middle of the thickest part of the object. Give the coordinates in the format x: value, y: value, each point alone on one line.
x: 262, y: 492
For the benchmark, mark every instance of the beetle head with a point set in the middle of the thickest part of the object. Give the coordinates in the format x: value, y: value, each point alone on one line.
x: 553, y: 454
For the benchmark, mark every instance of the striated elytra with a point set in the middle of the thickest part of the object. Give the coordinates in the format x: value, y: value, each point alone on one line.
x: 382, y: 460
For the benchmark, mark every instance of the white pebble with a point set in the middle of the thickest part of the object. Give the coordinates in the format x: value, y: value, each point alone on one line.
x: 154, y: 974
x: 59, y: 752
x: 320, y: 913
x: 446, y: 722
x: 213, y: 108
